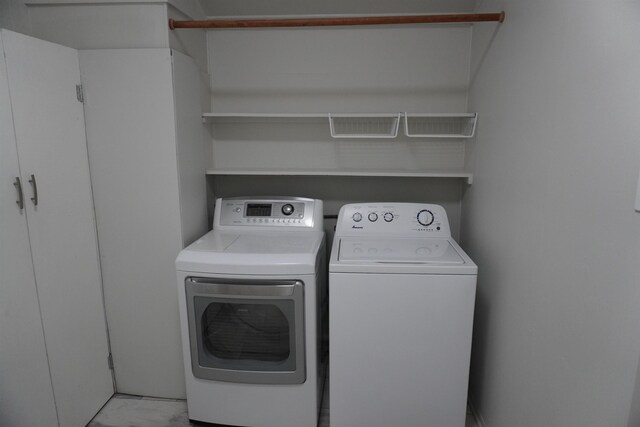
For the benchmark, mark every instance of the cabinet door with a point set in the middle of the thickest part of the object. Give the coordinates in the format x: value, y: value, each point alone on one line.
x: 51, y: 142
x: 26, y: 396
x: 130, y: 124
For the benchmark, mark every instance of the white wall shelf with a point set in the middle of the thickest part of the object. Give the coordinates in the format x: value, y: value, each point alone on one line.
x: 264, y: 117
x: 366, y: 125
x: 295, y: 172
x: 431, y: 146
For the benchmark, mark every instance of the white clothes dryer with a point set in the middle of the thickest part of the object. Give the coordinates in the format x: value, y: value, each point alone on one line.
x: 401, y: 302
x: 250, y: 293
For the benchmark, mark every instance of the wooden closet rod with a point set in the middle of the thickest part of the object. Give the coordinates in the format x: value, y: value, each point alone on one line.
x: 325, y: 22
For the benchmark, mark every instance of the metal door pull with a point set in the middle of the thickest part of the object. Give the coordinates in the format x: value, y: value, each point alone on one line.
x: 18, y: 186
x: 32, y: 181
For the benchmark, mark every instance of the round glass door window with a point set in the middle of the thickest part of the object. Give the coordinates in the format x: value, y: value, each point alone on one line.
x: 257, y: 332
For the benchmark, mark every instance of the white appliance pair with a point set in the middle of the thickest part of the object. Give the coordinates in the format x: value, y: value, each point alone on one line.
x: 401, y: 308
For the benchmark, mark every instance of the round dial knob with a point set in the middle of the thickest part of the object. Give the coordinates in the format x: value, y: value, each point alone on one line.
x: 388, y: 217
x: 357, y: 217
x: 287, y: 209
x: 425, y: 217
x: 373, y: 217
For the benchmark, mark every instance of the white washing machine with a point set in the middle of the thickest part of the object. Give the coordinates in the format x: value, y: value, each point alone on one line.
x: 401, y: 301
x: 250, y: 293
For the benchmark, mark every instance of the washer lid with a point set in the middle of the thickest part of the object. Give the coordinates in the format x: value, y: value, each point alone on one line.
x: 400, y: 255
x: 273, y: 253
x: 423, y: 251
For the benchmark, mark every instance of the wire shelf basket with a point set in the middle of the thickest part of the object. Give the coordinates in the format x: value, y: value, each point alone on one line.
x: 420, y: 125
x: 381, y: 125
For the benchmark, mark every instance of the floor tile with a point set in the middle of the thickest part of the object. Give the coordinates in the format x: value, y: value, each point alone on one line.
x: 124, y: 411
x: 135, y: 411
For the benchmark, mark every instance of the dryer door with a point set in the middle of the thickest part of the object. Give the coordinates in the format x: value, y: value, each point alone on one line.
x: 246, y: 331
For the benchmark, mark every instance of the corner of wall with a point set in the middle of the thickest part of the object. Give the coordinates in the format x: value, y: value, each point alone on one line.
x: 14, y: 16
x: 476, y: 414
x: 191, y: 42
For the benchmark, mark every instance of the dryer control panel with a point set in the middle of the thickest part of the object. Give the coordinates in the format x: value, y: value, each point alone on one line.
x: 268, y: 212
x: 410, y: 219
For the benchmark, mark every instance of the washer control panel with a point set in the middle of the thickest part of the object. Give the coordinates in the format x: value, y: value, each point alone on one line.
x: 267, y: 212
x: 410, y: 219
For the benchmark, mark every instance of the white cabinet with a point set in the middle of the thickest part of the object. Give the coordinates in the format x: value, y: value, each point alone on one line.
x: 26, y: 396
x: 53, y: 336
x: 148, y: 165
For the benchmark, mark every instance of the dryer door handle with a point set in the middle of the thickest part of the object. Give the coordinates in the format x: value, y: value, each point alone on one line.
x: 278, y: 288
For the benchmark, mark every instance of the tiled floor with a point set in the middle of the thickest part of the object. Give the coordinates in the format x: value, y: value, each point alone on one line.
x: 133, y: 411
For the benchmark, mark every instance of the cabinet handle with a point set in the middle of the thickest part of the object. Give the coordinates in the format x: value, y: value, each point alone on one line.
x: 32, y: 181
x: 18, y: 186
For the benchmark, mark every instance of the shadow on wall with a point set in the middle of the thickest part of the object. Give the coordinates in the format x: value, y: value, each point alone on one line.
x: 481, y: 326
x: 483, y: 36
x: 634, y: 413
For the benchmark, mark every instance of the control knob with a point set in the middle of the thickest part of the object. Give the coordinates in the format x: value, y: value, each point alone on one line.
x: 425, y: 217
x: 357, y: 217
x: 373, y: 217
x: 287, y: 209
x: 388, y: 217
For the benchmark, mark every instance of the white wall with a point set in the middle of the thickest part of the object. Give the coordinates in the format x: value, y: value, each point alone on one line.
x: 87, y: 24
x: 333, y: 7
x: 349, y: 70
x: 14, y: 16
x: 550, y: 218
x: 101, y: 26
x: 191, y: 42
x: 343, y: 69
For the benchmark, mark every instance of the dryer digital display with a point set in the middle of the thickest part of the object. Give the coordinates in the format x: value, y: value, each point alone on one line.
x: 258, y: 209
